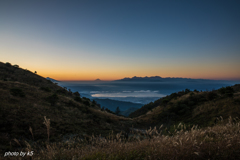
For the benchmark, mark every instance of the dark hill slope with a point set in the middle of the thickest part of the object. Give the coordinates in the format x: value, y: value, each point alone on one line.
x: 162, y: 101
x: 16, y: 74
x: 201, y: 108
x: 25, y: 98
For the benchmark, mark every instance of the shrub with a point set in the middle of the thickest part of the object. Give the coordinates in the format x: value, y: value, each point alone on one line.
x: 87, y: 103
x: 192, y: 94
x: 8, y: 64
x: 78, y: 99
x: 94, y: 102
x: 17, y: 92
x: 106, y: 109
x: 187, y: 90
x: 195, y: 90
x: 62, y: 91
x: 228, y: 91
x: 165, y: 101
x: 45, y: 89
x: 76, y: 94
x: 211, y: 95
x: 87, y: 99
x: 17, y: 66
x: 71, y: 103
x: 117, y: 112
x: 52, y: 99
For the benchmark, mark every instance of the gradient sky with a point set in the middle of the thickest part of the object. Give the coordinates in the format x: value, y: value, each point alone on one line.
x: 86, y: 40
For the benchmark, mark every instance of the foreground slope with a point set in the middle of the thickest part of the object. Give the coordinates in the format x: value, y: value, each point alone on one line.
x: 25, y: 98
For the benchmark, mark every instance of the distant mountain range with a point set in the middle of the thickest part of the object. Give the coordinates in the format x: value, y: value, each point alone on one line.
x: 158, y: 78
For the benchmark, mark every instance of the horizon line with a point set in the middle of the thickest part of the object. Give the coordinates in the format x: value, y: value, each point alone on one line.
x: 105, y: 80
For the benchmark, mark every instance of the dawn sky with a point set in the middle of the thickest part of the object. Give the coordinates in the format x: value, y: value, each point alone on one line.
x: 86, y: 40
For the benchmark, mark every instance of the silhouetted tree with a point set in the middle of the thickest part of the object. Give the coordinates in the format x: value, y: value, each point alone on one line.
x: 117, y: 111
x: 76, y: 94
x: 94, y: 102
x: 195, y: 90
x: 17, y: 66
x: 187, y: 90
x: 78, y: 99
x: 8, y: 64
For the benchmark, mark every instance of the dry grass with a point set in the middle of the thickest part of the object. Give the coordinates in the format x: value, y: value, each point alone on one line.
x: 221, y: 141
x: 47, y: 123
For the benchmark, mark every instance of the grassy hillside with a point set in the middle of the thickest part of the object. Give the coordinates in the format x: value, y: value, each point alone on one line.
x: 27, y: 97
x: 191, y: 107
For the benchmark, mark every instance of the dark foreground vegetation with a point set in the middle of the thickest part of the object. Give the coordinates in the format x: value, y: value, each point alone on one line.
x: 50, y: 122
x: 221, y: 141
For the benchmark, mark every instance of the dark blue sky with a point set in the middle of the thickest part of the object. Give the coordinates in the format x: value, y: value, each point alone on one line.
x: 116, y: 39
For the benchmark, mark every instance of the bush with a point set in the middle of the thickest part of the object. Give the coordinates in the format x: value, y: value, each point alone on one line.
x: 45, y: 89
x: 195, y: 90
x: 76, y: 94
x: 87, y: 99
x: 165, y: 101
x: 106, y: 109
x: 52, y: 99
x: 192, y: 94
x: 78, y: 99
x: 228, y: 91
x: 187, y: 90
x: 17, y: 66
x: 211, y: 95
x: 71, y: 103
x: 87, y: 103
x: 62, y: 91
x: 8, y: 64
x: 17, y: 92
x: 94, y: 102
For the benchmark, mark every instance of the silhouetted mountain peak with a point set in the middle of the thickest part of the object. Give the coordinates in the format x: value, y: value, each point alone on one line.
x: 53, y: 80
x: 158, y: 78
x: 146, y: 78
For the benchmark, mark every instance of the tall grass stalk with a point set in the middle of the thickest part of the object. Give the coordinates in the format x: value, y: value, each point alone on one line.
x: 47, y: 123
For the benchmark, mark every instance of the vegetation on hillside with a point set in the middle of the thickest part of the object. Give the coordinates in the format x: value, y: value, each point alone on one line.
x: 191, y: 107
x: 161, y: 101
x: 26, y: 98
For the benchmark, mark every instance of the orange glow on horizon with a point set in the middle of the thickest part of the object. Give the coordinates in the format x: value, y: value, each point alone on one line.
x: 109, y: 78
